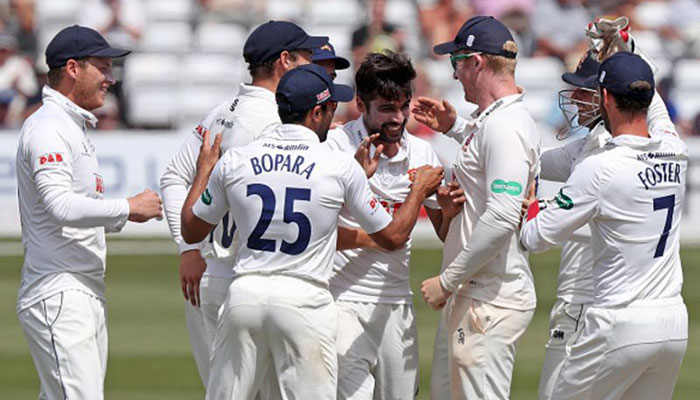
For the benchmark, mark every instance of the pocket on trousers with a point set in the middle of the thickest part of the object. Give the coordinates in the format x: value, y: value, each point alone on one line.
x: 52, y: 307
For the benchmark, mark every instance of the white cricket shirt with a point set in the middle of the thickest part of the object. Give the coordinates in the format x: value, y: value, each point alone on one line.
x: 369, y: 275
x: 62, y: 210
x: 575, y: 280
x: 631, y: 195
x: 285, y: 192
x: 241, y: 121
x: 497, y: 161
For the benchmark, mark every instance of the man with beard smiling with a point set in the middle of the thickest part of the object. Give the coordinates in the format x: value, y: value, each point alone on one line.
x: 377, y: 337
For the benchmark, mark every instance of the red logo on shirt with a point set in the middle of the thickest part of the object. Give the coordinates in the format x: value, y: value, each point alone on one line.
x: 99, y: 184
x: 51, y: 158
x: 373, y: 203
x: 200, y: 130
x: 412, y: 174
x: 466, y: 142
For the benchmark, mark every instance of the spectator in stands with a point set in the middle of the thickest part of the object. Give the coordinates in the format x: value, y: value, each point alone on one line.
x: 108, y: 114
x: 695, y: 127
x: 377, y: 35
x: 557, y: 26
x: 6, y: 97
x: 16, y: 79
x: 22, y: 25
x: 120, y: 21
x: 451, y: 14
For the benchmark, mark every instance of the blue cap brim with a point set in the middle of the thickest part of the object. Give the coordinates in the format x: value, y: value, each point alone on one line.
x: 445, y: 48
x: 110, y: 52
x: 340, y: 62
x: 591, y: 82
x: 342, y: 93
x: 312, y: 42
x: 578, y: 80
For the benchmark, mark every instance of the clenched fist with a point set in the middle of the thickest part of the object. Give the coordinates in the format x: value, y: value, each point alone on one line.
x: 144, y: 206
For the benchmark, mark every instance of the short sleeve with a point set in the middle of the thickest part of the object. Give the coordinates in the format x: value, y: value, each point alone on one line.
x: 213, y: 204
x: 362, y: 203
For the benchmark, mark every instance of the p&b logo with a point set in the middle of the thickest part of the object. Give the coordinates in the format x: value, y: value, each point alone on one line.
x: 51, y: 158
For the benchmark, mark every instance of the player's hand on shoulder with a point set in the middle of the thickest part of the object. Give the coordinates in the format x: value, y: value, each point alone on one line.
x: 144, y: 206
x: 437, y: 115
x: 362, y: 155
x: 427, y: 179
x: 451, y: 199
x: 192, y: 267
x: 209, y: 153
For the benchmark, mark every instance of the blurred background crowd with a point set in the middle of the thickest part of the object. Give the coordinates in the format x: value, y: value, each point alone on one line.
x: 188, y: 53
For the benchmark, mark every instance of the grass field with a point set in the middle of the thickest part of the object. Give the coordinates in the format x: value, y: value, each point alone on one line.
x: 149, y: 354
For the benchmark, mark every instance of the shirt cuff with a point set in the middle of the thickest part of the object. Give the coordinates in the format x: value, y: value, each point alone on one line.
x: 183, y: 247
x: 124, y: 211
x: 457, y: 129
x: 445, y: 284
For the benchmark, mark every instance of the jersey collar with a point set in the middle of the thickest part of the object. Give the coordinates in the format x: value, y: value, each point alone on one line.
x: 249, y: 90
x: 293, y: 132
x: 635, y: 142
x: 479, y: 118
x: 77, y: 114
x: 360, y: 130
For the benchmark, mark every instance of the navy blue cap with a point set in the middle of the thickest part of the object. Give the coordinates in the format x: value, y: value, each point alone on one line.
x: 587, y: 67
x: 619, y: 71
x: 327, y: 52
x: 307, y: 86
x: 270, y: 39
x: 480, y: 33
x: 76, y: 42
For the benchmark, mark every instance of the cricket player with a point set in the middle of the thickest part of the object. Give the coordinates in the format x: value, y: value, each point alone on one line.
x: 377, y: 336
x: 635, y: 332
x: 61, y: 305
x: 270, y: 51
x: 285, y: 193
x: 325, y: 56
x: 482, y: 264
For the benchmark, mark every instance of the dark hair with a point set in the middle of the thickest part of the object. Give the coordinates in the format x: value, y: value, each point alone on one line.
x: 386, y: 74
x: 637, y: 101
x: 264, y: 70
x: 55, y: 75
x: 294, y: 117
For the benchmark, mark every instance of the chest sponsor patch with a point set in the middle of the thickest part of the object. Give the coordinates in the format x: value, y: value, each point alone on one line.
x: 50, y: 158
x: 510, y: 187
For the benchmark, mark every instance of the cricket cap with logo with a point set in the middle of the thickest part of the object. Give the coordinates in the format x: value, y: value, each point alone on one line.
x: 76, y: 42
x: 480, y: 33
x: 327, y: 52
x: 307, y: 86
x: 270, y: 39
x: 619, y: 71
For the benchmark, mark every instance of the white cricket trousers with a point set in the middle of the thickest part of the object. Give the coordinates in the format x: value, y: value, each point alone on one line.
x: 440, y: 367
x: 482, y: 340
x: 564, y: 321
x: 67, y: 337
x: 633, y: 352
x: 377, y: 351
x: 202, y: 321
x: 276, y: 322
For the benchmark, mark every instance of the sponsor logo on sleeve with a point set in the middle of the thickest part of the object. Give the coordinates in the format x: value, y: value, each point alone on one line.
x: 373, y: 203
x: 563, y: 200
x: 510, y: 187
x: 99, y: 184
x: 206, y: 197
x: 50, y: 158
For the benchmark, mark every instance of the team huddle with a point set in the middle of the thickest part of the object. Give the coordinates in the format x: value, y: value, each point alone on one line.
x: 294, y: 232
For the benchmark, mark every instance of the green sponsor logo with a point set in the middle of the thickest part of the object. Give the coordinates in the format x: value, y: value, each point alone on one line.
x: 563, y: 200
x: 501, y: 186
x: 206, y: 197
